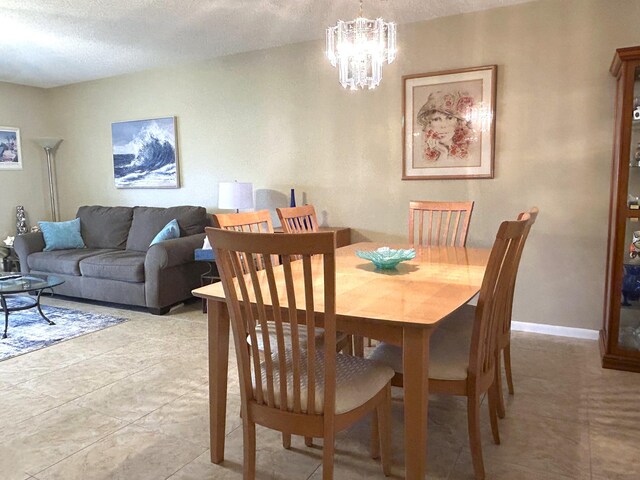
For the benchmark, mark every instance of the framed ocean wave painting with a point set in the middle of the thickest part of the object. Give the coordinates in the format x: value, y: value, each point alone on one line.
x: 449, y: 124
x: 145, y: 153
x: 10, y: 152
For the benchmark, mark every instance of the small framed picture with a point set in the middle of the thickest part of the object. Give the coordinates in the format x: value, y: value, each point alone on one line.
x: 10, y: 152
x: 449, y: 124
x: 145, y: 153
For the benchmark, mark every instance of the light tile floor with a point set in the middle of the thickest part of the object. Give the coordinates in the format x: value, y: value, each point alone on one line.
x: 130, y: 403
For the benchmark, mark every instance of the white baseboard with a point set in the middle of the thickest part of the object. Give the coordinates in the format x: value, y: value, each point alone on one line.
x: 555, y: 330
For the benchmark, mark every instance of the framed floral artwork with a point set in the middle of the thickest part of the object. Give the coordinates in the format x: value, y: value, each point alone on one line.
x: 449, y: 124
x: 10, y: 152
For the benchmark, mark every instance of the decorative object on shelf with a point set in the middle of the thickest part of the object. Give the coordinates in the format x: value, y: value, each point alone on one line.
x: 235, y: 195
x: 50, y: 146
x: 10, y: 152
x: 359, y: 49
x: 449, y: 124
x: 145, y: 153
x: 21, y: 221
x: 636, y: 157
x: 292, y: 202
x: 634, y: 246
x: 386, y: 258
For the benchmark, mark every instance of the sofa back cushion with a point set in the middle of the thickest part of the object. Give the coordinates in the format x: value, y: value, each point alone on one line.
x: 148, y: 221
x: 105, y: 227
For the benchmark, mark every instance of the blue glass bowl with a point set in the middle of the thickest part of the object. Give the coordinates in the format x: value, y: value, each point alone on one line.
x: 385, y: 257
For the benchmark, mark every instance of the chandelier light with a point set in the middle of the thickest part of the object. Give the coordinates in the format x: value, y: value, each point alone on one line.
x: 360, y: 48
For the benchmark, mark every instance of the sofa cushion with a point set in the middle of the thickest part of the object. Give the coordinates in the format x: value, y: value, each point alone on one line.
x: 170, y: 231
x: 61, y: 261
x: 123, y: 265
x: 61, y: 235
x: 148, y: 221
x: 105, y: 227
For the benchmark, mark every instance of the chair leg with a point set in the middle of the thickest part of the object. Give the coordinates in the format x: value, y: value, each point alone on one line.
x: 493, y: 410
x: 286, y: 440
x: 507, y: 367
x: 249, y: 445
x: 348, y: 350
x: 358, y: 346
x: 475, y: 443
x: 383, y: 412
x: 328, y: 450
x: 375, y: 434
x: 498, y: 382
x: 308, y: 441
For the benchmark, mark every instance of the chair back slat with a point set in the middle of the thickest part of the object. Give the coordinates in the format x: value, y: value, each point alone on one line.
x: 311, y: 327
x: 494, y: 292
x: 439, y: 223
x: 283, y: 373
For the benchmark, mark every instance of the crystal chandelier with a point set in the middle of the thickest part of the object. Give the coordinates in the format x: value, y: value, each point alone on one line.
x: 359, y: 48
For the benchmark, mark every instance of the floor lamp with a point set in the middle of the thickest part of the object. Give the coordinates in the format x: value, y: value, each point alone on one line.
x: 50, y: 146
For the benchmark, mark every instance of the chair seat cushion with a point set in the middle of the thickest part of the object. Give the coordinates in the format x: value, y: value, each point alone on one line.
x: 62, y: 261
x: 286, y: 330
x: 357, y: 381
x: 123, y: 265
x: 448, y: 350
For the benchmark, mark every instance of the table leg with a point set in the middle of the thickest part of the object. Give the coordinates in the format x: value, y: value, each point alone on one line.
x: 40, y: 309
x: 415, y: 364
x: 218, y: 317
x: 6, y: 315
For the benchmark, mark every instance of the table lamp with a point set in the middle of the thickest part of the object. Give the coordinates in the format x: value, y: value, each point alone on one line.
x: 238, y: 195
x: 50, y: 146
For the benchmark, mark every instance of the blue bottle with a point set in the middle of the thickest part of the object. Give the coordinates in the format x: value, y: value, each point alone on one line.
x: 293, y: 198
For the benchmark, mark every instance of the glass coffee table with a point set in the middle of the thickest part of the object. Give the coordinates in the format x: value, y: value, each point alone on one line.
x: 29, y: 283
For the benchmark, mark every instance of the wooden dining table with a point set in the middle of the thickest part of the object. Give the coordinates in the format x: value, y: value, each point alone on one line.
x: 402, y: 306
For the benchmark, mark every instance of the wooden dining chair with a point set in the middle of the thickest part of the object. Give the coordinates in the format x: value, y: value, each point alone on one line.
x: 257, y: 222
x: 463, y: 362
x: 298, y: 219
x: 503, y: 343
x: 301, y: 220
x: 439, y: 223
x: 296, y: 388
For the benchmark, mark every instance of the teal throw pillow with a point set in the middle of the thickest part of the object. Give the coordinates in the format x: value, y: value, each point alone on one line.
x: 61, y: 235
x: 169, y: 231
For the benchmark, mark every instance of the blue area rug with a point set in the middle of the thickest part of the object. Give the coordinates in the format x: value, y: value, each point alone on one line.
x: 28, y: 331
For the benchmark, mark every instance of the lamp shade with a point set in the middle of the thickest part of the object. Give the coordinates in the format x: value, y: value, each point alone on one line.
x: 49, y: 142
x: 235, y: 195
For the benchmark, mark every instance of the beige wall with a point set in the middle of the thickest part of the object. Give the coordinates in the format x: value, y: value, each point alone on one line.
x: 279, y: 119
x: 28, y: 109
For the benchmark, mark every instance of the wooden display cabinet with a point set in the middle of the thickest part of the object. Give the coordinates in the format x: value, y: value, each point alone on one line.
x: 620, y: 334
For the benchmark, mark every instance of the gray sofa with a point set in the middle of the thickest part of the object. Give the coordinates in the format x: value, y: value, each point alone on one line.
x: 117, y: 264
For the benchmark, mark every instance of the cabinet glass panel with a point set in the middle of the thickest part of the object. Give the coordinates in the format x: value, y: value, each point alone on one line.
x: 629, y: 334
x: 633, y: 198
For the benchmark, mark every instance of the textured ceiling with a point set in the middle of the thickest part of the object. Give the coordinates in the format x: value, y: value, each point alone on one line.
x: 47, y: 43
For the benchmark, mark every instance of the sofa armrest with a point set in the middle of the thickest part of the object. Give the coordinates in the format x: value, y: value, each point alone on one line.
x: 171, y: 253
x: 25, y: 245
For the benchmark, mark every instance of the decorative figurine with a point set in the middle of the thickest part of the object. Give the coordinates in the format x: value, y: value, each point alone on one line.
x: 634, y: 247
x: 631, y: 277
x: 21, y: 221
